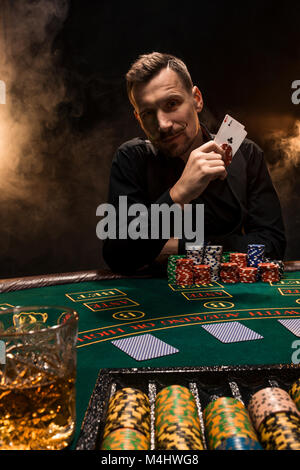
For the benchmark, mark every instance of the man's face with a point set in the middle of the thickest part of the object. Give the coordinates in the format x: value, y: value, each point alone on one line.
x: 168, y: 113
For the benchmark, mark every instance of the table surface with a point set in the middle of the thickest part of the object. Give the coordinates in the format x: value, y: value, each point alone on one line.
x: 121, y: 308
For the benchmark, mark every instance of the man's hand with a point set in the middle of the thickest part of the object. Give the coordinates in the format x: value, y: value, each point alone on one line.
x: 204, y: 164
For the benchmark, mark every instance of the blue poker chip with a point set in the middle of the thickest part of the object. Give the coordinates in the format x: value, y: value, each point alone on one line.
x: 255, y: 255
x: 239, y: 443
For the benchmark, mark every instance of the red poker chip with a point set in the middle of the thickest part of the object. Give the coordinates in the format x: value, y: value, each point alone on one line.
x: 228, y: 154
x: 239, y: 258
x: 229, y: 265
x: 267, y: 265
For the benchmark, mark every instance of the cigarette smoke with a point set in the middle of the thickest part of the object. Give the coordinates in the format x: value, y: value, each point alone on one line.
x: 283, y: 153
x: 49, y: 186
x: 281, y: 142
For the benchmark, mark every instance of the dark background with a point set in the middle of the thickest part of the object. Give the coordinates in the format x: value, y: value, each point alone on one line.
x: 67, y: 111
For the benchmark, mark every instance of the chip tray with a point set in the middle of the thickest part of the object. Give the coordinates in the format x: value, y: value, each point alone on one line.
x: 206, y: 384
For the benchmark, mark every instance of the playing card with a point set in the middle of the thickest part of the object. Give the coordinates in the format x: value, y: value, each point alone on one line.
x: 143, y: 347
x: 231, y: 332
x: 2, y: 92
x: 231, y: 132
x: 292, y: 324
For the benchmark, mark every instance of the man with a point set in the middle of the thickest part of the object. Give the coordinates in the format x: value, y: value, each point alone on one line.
x: 180, y: 163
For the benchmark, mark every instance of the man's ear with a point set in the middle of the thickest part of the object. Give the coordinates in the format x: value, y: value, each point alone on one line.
x: 198, y: 100
x: 137, y: 116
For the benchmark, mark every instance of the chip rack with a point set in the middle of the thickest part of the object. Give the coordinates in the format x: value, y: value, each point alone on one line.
x: 206, y: 384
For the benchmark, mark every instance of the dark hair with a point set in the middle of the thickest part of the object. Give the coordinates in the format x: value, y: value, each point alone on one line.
x: 149, y: 65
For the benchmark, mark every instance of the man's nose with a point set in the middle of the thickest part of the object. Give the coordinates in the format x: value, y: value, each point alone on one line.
x: 164, y: 122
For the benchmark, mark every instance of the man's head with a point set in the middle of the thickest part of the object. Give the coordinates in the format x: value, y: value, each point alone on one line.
x: 165, y: 102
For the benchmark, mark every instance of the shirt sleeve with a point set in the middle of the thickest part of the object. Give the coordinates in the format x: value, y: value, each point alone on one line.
x: 128, y: 178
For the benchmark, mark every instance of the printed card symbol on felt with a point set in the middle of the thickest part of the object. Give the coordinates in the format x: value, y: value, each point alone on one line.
x: 292, y: 324
x: 231, y: 332
x: 143, y: 347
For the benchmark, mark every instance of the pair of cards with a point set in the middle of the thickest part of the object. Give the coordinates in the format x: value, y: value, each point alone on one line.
x: 144, y: 347
x: 147, y: 346
x: 230, y: 136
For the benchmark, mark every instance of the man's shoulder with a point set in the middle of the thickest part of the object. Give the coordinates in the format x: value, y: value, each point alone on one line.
x: 249, y: 147
x: 137, y: 146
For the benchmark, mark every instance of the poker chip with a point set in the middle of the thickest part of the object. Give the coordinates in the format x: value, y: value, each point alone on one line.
x: 280, y: 431
x: 125, y: 439
x: 269, y: 272
x: 195, y: 252
x: 227, y: 417
x: 213, y: 257
x: 248, y: 275
x: 252, y: 266
x: 255, y: 255
x: 225, y: 257
x: 229, y: 273
x: 171, y: 267
x: 279, y: 264
x: 201, y: 274
x: 239, y: 258
x: 295, y: 392
x: 184, y: 271
x: 128, y: 408
x: 239, y: 443
x: 177, y: 436
x: 228, y: 154
x: 268, y: 401
x: 177, y: 424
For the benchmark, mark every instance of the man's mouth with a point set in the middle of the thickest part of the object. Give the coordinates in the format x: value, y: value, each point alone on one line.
x: 171, y: 137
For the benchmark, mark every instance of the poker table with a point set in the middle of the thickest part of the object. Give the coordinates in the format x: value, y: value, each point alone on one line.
x: 112, y: 307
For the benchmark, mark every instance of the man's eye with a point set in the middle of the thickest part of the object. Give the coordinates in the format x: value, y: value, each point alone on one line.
x: 145, y: 114
x: 172, y: 104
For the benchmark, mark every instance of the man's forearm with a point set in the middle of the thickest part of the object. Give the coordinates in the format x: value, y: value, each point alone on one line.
x: 170, y: 248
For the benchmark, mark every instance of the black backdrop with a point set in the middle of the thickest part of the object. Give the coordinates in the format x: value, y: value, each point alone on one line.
x: 64, y: 64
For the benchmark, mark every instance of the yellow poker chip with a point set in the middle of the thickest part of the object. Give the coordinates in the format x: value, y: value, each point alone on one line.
x: 128, y: 408
x: 295, y: 393
x: 225, y: 418
x: 280, y: 431
x: 128, y: 395
x: 125, y: 439
x: 179, y: 437
x: 175, y: 405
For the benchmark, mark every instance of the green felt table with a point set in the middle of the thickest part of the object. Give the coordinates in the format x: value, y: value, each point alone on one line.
x: 119, y: 308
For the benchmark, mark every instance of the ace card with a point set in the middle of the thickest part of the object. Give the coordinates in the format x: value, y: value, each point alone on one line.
x: 231, y: 133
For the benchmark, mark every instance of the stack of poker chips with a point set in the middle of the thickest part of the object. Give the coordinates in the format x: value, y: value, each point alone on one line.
x: 278, y: 263
x: 226, y: 256
x: 177, y: 425
x: 295, y: 393
x: 228, y: 425
x: 127, y: 425
x: 255, y: 255
x: 229, y: 273
x: 184, y: 271
x: 201, y: 274
x: 248, y: 275
x: 195, y: 252
x: 276, y: 419
x: 171, y: 268
x: 268, y: 272
x: 252, y: 266
x: 213, y: 258
x: 239, y: 258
